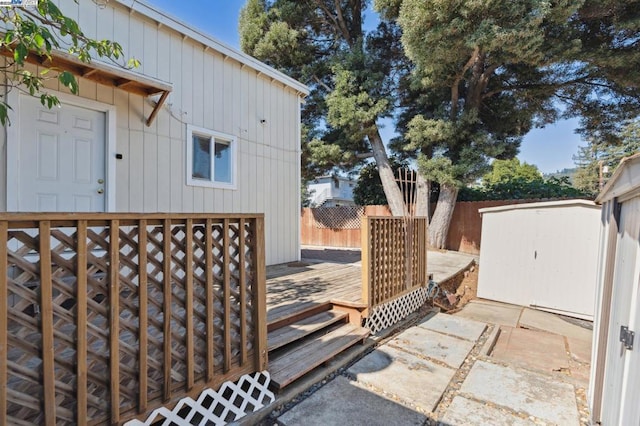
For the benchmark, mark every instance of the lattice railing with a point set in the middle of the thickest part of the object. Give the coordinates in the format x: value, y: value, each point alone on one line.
x: 342, y: 217
x: 394, y: 257
x: 179, y: 299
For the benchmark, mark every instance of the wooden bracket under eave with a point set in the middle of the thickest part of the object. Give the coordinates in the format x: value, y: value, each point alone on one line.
x: 155, y: 111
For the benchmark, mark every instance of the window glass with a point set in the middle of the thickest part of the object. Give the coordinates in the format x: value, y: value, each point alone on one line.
x: 201, y: 158
x: 222, y: 162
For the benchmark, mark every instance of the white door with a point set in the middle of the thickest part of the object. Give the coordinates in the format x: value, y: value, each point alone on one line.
x: 62, y: 158
x: 620, y: 403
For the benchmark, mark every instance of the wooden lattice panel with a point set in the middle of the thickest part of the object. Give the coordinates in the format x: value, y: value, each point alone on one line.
x: 107, y: 317
x: 394, y: 257
x: 342, y: 217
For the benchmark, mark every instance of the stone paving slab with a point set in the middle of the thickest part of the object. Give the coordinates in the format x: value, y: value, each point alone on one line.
x: 427, y: 343
x: 523, y: 391
x: 463, y: 411
x: 342, y: 402
x: 463, y: 328
x: 541, y: 320
x: 537, y: 350
x: 491, y: 312
x: 401, y: 374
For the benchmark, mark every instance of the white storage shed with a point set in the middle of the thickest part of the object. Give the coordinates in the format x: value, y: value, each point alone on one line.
x: 615, y: 367
x: 541, y: 255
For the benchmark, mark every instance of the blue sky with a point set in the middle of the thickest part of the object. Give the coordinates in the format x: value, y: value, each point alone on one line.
x: 550, y: 148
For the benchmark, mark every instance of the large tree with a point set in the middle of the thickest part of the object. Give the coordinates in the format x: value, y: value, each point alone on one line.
x: 350, y: 73
x: 487, y: 72
x: 41, y: 30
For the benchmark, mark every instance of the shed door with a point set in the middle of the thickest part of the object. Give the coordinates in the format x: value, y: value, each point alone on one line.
x: 62, y: 158
x: 622, y: 379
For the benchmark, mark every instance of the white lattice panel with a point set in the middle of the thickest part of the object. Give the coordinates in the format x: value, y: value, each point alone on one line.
x: 230, y: 403
x: 390, y: 313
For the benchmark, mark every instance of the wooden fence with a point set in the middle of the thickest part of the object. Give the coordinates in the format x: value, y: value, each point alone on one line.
x: 394, y: 257
x: 106, y: 317
x: 464, y: 231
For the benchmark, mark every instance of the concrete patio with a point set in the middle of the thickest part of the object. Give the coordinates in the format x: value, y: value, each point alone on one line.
x: 489, y: 364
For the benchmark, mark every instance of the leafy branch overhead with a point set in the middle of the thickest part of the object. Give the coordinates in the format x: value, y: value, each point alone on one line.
x: 39, y: 32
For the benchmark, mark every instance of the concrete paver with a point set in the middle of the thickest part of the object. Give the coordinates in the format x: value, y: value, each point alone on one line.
x: 463, y: 411
x: 580, y: 349
x: 541, y: 320
x: 491, y: 312
x: 449, y: 350
x: 401, y: 374
x: 533, y: 349
x: 523, y: 391
x: 342, y: 402
x: 463, y: 328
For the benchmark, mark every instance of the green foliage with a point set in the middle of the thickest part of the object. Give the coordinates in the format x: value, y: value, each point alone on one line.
x: 349, y: 72
x: 521, y: 189
x: 39, y: 31
x: 503, y: 171
x: 600, y: 159
x: 368, y: 190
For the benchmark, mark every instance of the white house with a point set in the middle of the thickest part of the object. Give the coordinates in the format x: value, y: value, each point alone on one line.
x: 199, y: 127
x: 331, y: 191
x: 615, y: 359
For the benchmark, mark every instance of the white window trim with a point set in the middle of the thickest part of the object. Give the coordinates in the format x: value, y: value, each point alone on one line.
x: 13, y: 145
x: 233, y: 142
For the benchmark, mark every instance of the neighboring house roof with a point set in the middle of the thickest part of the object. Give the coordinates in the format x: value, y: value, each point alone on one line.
x: 626, y: 178
x: 161, y: 17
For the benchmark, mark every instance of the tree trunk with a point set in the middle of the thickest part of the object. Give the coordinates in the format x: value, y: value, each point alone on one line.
x: 439, y: 226
x: 422, y: 196
x: 391, y: 189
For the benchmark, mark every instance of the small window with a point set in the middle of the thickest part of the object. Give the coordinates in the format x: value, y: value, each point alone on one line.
x: 210, y: 158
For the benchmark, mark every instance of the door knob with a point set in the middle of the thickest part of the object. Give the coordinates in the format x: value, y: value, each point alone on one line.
x: 100, y: 191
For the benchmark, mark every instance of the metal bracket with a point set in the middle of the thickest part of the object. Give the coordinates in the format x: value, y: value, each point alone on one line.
x: 626, y: 337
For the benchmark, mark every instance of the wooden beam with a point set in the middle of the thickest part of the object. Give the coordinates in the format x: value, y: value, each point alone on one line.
x: 4, y: 321
x: 46, y: 325
x: 144, y: 315
x: 156, y: 109
x: 81, y: 351
x: 114, y: 318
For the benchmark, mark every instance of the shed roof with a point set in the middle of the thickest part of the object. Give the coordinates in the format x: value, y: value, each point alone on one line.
x: 161, y: 17
x: 625, y: 180
x: 542, y: 205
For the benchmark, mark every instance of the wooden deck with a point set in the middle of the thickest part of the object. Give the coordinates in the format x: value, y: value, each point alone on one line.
x: 296, y: 286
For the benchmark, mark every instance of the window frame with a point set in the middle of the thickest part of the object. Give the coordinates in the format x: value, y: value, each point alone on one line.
x: 213, y: 136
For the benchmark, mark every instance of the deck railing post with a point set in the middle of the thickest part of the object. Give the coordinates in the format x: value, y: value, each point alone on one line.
x: 114, y: 318
x: 260, y: 294
x: 46, y: 323
x: 4, y: 323
x: 365, y: 236
x: 81, y: 350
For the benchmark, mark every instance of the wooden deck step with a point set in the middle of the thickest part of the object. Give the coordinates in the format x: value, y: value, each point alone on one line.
x: 304, y: 327
x: 309, y: 354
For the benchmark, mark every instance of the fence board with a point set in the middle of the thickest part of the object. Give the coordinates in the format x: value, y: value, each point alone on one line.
x: 93, y: 300
x: 46, y: 324
x: 114, y: 319
x: 144, y: 312
x: 81, y: 274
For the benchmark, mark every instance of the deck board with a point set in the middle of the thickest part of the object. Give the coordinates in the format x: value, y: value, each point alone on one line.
x: 291, y: 287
